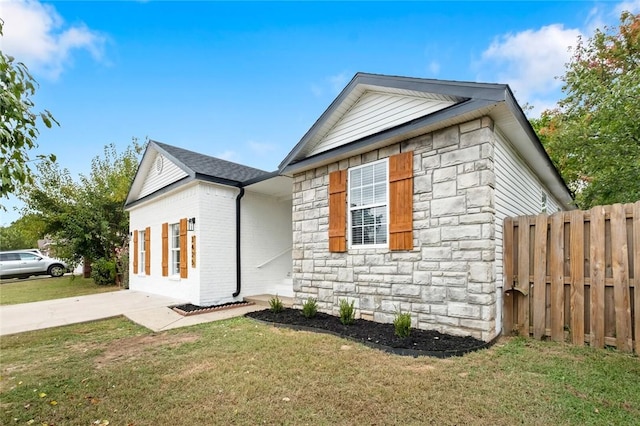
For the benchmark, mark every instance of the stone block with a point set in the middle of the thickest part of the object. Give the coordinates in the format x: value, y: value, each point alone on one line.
x: 390, y: 150
x: 448, y: 206
x: 480, y: 197
x: 422, y: 184
x: 433, y: 294
x: 345, y: 275
x: 446, y: 137
x: 470, y: 126
x: 444, y: 189
x: 348, y: 288
x: 429, y: 236
x: 461, y: 232
x: 457, y: 294
x: 406, y: 290
x: 481, y: 272
x: 431, y: 161
x: 476, y: 137
x: 437, y: 253
x: 463, y: 310
x: 422, y: 277
x: 444, y: 174
x: 469, y: 180
x: 384, y: 270
x: 459, y: 156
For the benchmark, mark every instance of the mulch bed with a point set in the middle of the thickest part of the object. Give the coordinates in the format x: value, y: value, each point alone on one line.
x: 376, y: 335
x: 188, y: 309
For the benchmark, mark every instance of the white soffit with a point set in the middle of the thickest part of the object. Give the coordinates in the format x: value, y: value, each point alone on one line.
x: 366, y: 112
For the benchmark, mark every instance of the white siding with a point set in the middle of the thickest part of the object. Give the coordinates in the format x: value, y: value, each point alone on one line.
x: 154, y: 181
x: 518, y: 192
x: 375, y: 112
x: 267, y: 239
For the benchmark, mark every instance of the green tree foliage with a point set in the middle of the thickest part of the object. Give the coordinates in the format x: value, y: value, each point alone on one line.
x: 86, y: 218
x: 593, y: 136
x: 22, y: 234
x: 18, y: 124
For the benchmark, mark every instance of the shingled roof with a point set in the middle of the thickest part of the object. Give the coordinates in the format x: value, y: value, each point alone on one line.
x: 205, y: 166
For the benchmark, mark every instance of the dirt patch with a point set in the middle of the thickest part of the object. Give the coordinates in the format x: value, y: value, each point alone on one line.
x: 132, y: 348
x: 382, y: 336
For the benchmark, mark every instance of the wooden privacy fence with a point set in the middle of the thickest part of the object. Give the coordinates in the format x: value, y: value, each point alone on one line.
x: 575, y: 274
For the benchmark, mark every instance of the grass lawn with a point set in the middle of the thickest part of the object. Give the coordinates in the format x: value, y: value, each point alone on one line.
x: 24, y: 291
x: 241, y: 372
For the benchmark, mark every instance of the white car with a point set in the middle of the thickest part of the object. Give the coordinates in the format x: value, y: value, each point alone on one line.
x: 25, y: 263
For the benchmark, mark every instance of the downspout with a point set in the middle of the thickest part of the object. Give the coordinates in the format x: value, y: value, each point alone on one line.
x: 238, y: 265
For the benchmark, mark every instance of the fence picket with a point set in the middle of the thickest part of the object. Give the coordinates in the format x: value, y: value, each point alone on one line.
x: 540, y: 277
x: 636, y: 271
x: 556, y: 260
x: 577, y: 277
x: 507, y: 272
x: 619, y: 260
x: 523, y: 276
x: 597, y: 276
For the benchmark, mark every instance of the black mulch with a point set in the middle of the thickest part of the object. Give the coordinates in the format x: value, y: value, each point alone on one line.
x: 377, y: 335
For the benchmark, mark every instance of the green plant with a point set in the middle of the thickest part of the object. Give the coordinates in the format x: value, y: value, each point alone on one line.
x: 347, y: 312
x: 310, y: 308
x: 402, y: 324
x: 103, y: 272
x: 275, y: 304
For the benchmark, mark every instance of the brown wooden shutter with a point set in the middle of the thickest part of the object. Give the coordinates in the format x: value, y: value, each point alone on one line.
x: 401, y: 201
x: 337, y: 211
x: 147, y: 250
x: 165, y: 249
x: 135, y: 252
x: 184, y: 255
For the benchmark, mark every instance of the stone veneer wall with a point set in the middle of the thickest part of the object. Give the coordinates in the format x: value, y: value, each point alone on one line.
x: 447, y: 281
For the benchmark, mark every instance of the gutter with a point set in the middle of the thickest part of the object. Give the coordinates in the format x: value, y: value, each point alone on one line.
x: 238, y: 265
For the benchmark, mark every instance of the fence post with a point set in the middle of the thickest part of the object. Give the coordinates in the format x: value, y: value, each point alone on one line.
x: 597, y: 243
x: 540, y: 277
x: 619, y: 263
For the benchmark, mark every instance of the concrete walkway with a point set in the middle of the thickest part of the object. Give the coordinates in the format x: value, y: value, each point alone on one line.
x: 148, y: 310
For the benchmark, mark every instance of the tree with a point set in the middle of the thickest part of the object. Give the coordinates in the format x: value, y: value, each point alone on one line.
x: 22, y: 233
x: 593, y: 137
x: 18, y: 124
x: 86, y: 218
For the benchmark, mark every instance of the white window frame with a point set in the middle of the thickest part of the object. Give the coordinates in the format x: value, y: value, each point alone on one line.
x: 142, y: 248
x: 174, y: 249
x: 350, y: 209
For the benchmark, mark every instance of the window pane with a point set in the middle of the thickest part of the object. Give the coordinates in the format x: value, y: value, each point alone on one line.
x: 368, y: 235
x: 380, y: 193
x: 356, y: 218
x: 356, y: 178
x: 380, y: 172
x: 368, y: 216
x: 367, y: 195
x: 356, y: 236
x: 356, y: 197
x: 367, y: 175
x: 381, y: 234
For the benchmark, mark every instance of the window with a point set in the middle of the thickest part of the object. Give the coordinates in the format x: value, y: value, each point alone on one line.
x: 174, y: 247
x: 368, y: 204
x: 143, y: 249
x: 543, y: 202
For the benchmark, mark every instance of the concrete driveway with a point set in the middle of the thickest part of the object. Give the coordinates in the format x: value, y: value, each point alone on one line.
x: 148, y: 310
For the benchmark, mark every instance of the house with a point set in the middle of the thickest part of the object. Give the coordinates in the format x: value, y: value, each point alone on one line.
x: 396, y: 199
x: 207, y: 230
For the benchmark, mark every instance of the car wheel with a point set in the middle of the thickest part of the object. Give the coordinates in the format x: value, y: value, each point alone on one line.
x: 56, y: 270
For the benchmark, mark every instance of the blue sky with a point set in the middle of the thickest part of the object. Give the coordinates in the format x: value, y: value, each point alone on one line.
x: 244, y: 81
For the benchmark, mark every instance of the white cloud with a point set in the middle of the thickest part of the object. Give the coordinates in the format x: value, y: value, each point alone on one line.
x: 333, y: 84
x: 530, y: 61
x: 632, y: 6
x: 260, y: 148
x: 434, y: 67
x: 227, y: 155
x: 37, y: 35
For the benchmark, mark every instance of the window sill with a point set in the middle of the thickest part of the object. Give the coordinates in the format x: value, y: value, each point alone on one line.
x: 174, y: 278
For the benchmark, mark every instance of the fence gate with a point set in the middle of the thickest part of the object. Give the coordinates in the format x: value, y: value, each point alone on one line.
x: 575, y: 275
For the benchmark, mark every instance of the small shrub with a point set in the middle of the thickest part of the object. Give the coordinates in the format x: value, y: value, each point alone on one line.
x: 402, y: 324
x: 275, y: 304
x: 347, y: 312
x: 103, y: 272
x: 310, y: 308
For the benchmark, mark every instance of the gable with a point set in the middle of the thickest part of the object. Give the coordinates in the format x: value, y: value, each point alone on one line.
x: 374, y: 112
x: 160, y: 172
